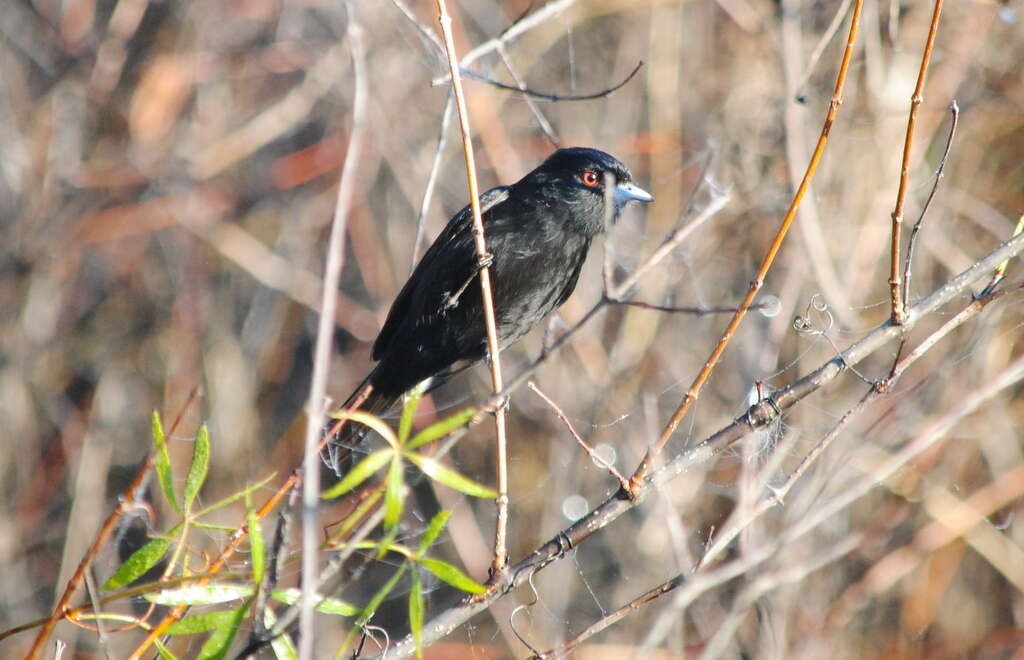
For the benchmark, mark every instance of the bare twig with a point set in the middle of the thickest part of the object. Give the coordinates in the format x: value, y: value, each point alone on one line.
x: 428, y: 191
x: 819, y: 48
x: 521, y: 25
x: 700, y: 311
x: 755, y: 286
x: 501, y: 525
x: 1000, y: 271
x: 316, y: 406
x: 594, y: 456
x: 526, y: 91
x: 897, y: 300
x: 542, y: 121
x: 954, y: 111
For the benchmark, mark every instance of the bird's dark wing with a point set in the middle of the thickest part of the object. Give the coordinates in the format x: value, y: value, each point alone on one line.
x: 458, y: 233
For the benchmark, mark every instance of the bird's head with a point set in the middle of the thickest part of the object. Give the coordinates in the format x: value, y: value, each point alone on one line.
x: 585, y: 180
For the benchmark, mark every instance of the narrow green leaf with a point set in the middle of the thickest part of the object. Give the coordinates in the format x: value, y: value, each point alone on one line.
x: 327, y: 605
x: 282, y: 645
x: 362, y: 471
x: 213, y: 527
x: 201, y: 623
x: 381, y: 594
x: 452, y: 575
x: 449, y: 477
x: 441, y: 428
x: 218, y: 644
x: 135, y: 566
x: 257, y: 550
x: 394, y: 494
x: 437, y: 524
x: 234, y: 497
x: 408, y: 412
x: 375, y: 423
x: 201, y: 594
x: 163, y: 463
x: 385, y: 544
x: 416, y: 612
x: 200, y: 466
x: 165, y: 652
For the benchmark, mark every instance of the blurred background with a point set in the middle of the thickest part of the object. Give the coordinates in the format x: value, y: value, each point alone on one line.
x: 167, y: 181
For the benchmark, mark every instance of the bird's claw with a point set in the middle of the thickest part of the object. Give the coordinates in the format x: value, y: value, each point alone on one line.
x: 501, y: 405
x: 485, y: 261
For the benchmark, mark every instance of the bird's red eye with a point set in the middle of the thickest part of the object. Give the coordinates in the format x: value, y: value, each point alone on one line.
x: 590, y: 179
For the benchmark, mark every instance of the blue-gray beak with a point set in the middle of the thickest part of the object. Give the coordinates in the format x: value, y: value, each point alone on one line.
x: 629, y: 192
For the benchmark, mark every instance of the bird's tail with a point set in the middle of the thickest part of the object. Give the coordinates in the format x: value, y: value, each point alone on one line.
x: 346, y: 434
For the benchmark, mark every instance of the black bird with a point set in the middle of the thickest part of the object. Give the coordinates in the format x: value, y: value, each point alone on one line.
x: 538, y: 232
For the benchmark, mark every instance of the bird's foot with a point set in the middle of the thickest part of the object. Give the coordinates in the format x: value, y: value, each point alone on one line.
x: 501, y: 405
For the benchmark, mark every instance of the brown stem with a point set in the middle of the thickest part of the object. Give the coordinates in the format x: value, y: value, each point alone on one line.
x: 501, y: 526
x: 898, y: 313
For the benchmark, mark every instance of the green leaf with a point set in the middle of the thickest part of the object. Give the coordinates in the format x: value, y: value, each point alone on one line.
x: 382, y: 593
x: 213, y: 527
x: 449, y: 477
x: 441, y: 428
x: 452, y: 575
x: 437, y: 524
x: 256, y: 546
x: 363, y: 470
x: 282, y: 645
x: 200, y: 466
x: 375, y: 423
x: 324, y: 605
x: 163, y: 463
x: 394, y: 494
x: 201, y: 623
x: 416, y: 612
x: 165, y: 652
x: 201, y: 594
x: 383, y: 546
x: 218, y: 644
x: 408, y: 411
x: 141, y: 561
x: 232, y: 498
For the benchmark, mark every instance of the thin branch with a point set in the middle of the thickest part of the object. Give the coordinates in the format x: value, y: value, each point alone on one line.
x: 316, y: 406
x: 954, y: 110
x: 700, y: 311
x: 520, y: 26
x: 594, y: 456
x: 545, y: 125
x: 1000, y: 271
x: 755, y: 286
x: 428, y: 191
x: 553, y: 97
x: 501, y: 525
x: 819, y: 48
x: 897, y: 300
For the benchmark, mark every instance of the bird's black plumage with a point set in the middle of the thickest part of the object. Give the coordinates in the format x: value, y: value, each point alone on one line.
x: 538, y: 231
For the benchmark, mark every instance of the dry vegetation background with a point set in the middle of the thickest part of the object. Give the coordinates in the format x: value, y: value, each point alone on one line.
x: 167, y: 178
